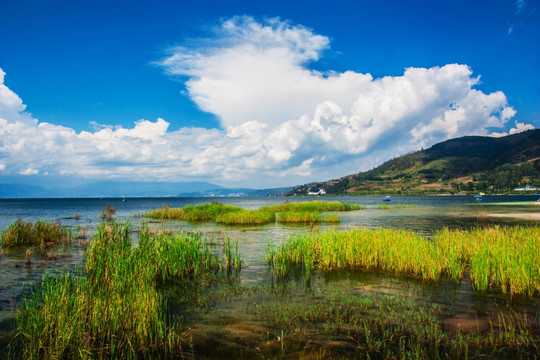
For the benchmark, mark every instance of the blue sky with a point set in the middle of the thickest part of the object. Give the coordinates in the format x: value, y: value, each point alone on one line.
x: 249, y: 93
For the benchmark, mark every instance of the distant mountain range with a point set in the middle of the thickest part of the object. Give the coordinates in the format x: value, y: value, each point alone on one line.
x: 132, y: 189
x: 463, y: 165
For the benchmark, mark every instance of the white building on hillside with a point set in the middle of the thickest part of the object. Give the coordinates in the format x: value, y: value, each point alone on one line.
x: 320, y: 192
x: 526, y: 188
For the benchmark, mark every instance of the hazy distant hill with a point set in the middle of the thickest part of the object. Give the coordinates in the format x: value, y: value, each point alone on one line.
x: 140, y: 189
x: 237, y: 192
x: 106, y: 189
x: 132, y: 189
x: 22, y: 190
x: 471, y: 163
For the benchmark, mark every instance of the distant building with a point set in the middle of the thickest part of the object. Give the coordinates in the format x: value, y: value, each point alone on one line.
x: 526, y: 188
x: 320, y: 192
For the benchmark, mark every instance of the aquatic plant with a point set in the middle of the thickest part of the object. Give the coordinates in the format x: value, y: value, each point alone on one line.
x: 246, y: 217
x: 232, y: 255
x: 201, y: 212
x: 384, y: 326
x: 385, y: 207
x: 116, y: 310
x: 41, y: 235
x: 307, y: 212
x: 165, y: 212
x: 500, y: 258
x: 107, y: 212
x: 305, y: 217
x: 313, y: 206
x: 400, y: 251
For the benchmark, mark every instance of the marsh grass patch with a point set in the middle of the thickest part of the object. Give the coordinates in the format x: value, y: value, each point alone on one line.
x: 41, y: 235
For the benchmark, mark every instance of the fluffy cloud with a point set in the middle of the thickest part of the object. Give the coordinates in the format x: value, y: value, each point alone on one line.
x: 254, y: 71
x: 520, y: 127
x: 282, y: 123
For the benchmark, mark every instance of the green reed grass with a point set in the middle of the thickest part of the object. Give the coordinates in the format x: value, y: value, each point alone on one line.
x: 233, y: 215
x: 331, y: 218
x: 41, y: 235
x: 313, y: 206
x: 309, y: 217
x: 506, y: 259
x: 201, y: 212
x: 116, y: 310
x: 233, y: 260
x: 246, y: 217
x: 165, y: 212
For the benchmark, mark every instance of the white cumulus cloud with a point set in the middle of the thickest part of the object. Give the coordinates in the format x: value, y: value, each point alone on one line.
x: 282, y: 123
x: 520, y: 127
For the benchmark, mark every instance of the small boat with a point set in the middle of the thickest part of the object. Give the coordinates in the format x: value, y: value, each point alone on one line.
x: 479, y: 197
x: 387, y: 198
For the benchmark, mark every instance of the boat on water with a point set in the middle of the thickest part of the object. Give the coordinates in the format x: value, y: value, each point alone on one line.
x: 387, y: 198
x: 479, y: 197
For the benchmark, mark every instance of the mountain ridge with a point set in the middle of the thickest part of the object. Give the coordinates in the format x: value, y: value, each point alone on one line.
x: 461, y: 165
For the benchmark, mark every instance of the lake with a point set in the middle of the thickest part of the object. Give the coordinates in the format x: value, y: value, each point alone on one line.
x: 426, y: 215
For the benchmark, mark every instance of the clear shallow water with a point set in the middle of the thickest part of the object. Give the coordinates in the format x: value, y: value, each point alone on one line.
x: 428, y: 215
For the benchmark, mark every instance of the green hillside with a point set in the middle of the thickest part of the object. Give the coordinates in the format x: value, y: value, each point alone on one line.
x: 467, y: 164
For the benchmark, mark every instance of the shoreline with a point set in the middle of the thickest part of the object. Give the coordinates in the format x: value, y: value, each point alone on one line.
x: 524, y: 216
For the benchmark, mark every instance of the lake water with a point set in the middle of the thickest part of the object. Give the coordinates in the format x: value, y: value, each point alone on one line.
x: 428, y: 215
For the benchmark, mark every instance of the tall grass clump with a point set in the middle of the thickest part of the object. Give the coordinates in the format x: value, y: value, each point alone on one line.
x: 397, y: 251
x: 107, y: 212
x: 116, y: 310
x: 42, y: 234
x: 165, y: 212
x: 246, y: 217
x: 201, y: 212
x: 504, y: 259
x: 297, y: 217
x: 313, y: 206
x: 233, y: 260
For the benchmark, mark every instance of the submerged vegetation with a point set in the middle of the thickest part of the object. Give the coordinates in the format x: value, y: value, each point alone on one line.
x: 391, y: 207
x: 41, y: 234
x: 116, y: 310
x: 389, y: 327
x: 502, y: 258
